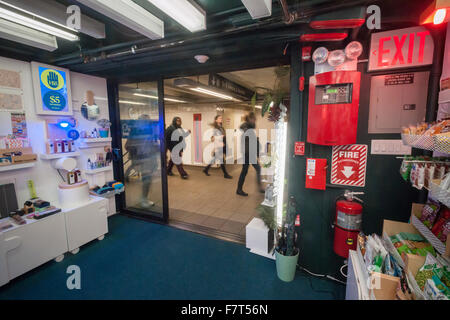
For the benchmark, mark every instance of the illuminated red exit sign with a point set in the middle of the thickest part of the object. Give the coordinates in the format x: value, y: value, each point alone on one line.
x: 402, y: 48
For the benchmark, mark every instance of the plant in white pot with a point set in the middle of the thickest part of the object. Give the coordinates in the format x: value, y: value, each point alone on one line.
x: 286, y: 252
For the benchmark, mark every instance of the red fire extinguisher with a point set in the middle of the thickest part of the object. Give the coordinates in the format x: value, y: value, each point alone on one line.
x: 347, y: 222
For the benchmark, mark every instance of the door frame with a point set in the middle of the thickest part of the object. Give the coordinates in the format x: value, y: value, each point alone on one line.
x: 116, y: 133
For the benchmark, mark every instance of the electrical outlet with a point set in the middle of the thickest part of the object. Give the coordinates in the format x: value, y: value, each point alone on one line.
x: 389, y: 147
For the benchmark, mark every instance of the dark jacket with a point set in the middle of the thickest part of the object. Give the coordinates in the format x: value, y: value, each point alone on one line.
x: 245, y: 142
x: 170, y: 130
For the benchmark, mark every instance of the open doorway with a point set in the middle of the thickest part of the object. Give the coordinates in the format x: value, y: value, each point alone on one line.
x: 207, y: 202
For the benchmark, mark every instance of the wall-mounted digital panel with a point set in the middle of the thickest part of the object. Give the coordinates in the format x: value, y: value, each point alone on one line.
x: 397, y: 100
x: 51, y: 90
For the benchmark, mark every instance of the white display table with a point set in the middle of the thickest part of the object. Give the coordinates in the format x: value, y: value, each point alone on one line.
x: 25, y: 247
x: 28, y: 246
x: 86, y: 223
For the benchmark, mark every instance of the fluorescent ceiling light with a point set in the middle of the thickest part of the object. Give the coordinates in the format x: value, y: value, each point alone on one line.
x: 156, y: 98
x: 258, y: 8
x: 213, y: 93
x: 174, y: 100
x: 132, y: 102
x: 145, y: 96
x: 130, y: 15
x: 258, y: 107
x: 184, y: 12
x: 28, y: 19
x: 18, y: 33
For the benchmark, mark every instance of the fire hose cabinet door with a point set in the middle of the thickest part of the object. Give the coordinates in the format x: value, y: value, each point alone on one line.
x: 333, y: 108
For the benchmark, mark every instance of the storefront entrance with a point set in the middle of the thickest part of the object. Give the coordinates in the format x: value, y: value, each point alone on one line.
x: 199, y: 200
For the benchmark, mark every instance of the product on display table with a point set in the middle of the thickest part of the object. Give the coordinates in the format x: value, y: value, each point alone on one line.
x: 73, y: 195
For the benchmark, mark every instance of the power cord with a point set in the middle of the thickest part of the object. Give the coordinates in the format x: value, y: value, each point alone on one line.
x: 345, y: 265
x: 322, y: 275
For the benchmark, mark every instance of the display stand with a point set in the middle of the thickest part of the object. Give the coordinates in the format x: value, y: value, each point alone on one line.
x: 25, y: 247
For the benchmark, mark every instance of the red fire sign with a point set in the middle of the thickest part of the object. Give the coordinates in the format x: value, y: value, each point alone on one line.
x: 349, y: 165
x: 299, y: 148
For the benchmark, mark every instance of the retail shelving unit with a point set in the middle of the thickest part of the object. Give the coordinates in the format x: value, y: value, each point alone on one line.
x: 53, y: 156
x: 17, y: 166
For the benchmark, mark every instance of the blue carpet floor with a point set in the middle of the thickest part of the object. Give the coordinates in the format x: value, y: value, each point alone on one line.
x: 142, y: 260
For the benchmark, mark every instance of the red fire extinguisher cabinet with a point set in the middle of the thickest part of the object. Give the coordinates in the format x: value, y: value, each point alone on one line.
x: 333, y: 107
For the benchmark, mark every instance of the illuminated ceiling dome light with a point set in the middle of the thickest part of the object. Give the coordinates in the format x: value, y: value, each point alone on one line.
x: 353, y: 50
x: 336, y: 58
x: 320, y: 55
x: 436, y: 13
x: 439, y: 16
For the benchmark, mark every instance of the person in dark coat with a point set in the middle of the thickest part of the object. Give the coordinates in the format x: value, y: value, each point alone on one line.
x: 180, y: 145
x: 250, y: 149
x: 220, y: 142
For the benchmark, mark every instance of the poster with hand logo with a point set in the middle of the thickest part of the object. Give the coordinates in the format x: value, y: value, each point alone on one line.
x: 52, y: 90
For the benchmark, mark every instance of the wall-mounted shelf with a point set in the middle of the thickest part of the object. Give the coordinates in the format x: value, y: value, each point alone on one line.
x: 95, y: 140
x: 46, y: 156
x: 17, y: 166
x: 98, y: 170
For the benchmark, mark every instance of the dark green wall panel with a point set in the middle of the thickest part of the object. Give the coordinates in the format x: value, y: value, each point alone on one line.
x: 387, y: 195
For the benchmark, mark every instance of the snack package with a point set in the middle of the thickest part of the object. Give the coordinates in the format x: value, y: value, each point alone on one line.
x: 436, y: 290
x: 405, y: 168
x: 429, y: 174
x: 441, y: 228
x: 420, y: 182
x: 429, y: 213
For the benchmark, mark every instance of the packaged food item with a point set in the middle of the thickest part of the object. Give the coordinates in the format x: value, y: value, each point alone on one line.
x: 429, y: 213
x: 436, y: 290
x: 420, y: 182
x: 441, y: 228
x: 405, y: 168
x: 429, y: 174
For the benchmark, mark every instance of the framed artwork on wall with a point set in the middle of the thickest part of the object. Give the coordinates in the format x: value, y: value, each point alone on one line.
x: 51, y: 90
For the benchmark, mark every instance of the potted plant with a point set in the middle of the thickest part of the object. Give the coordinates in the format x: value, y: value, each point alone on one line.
x: 104, y: 130
x: 267, y: 215
x: 286, y: 252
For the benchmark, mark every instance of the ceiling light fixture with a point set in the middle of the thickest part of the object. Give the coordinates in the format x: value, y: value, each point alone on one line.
x: 185, y: 12
x: 258, y: 8
x: 436, y: 13
x: 130, y: 15
x: 132, y: 102
x: 156, y: 98
x: 28, y: 19
x: 18, y: 33
x: 213, y: 93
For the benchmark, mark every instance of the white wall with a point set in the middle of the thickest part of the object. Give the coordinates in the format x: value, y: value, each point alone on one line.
x: 45, y: 177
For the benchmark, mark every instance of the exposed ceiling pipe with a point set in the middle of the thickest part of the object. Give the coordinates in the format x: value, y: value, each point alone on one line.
x: 289, y: 17
x: 299, y: 17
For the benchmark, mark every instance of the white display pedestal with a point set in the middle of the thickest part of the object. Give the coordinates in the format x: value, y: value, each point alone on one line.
x: 25, y: 247
x: 259, y: 239
x: 28, y: 246
x: 86, y: 223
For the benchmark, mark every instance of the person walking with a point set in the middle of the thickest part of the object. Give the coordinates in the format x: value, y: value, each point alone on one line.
x: 170, y: 144
x: 143, y: 152
x: 250, y: 154
x: 220, y: 142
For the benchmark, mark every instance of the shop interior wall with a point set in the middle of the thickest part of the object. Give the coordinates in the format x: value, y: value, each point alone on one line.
x: 45, y: 177
x: 387, y: 195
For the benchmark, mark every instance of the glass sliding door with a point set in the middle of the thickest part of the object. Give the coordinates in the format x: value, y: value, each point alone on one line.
x: 142, y: 134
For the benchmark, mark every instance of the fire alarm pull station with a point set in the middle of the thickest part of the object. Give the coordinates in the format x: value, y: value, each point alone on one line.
x: 333, y: 108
